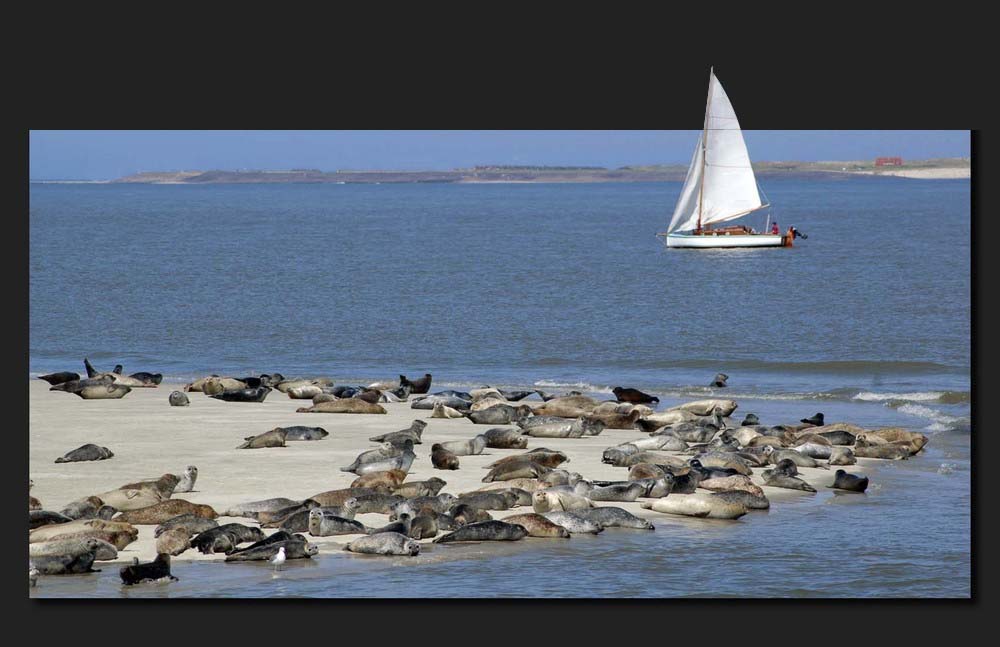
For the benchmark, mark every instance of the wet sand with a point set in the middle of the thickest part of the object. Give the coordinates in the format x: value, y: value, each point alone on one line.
x: 150, y: 438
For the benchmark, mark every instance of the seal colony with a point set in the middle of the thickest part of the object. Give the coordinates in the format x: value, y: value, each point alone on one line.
x: 513, y: 466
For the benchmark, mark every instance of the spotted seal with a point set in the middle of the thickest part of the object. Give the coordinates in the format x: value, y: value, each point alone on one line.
x: 165, y: 510
x: 707, y: 506
x: 88, y: 452
x: 851, y: 482
x: 505, y: 438
x: 384, y: 543
x: 347, y: 405
x: 273, y: 438
x: 538, y: 526
x: 418, y: 386
x: 485, y: 531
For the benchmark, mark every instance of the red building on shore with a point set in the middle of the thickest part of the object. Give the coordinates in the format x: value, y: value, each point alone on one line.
x: 888, y: 161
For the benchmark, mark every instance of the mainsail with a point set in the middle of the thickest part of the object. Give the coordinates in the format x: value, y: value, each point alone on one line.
x: 720, y: 183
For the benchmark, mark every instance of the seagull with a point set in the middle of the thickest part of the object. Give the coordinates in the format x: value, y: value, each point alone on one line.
x: 279, y: 559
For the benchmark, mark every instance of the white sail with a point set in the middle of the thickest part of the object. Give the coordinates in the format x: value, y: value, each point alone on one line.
x: 686, y: 211
x: 725, y: 187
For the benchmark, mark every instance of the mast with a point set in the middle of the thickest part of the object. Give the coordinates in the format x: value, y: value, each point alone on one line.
x: 704, y: 148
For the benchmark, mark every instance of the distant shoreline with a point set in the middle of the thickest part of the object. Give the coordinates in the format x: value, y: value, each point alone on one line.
x: 956, y: 168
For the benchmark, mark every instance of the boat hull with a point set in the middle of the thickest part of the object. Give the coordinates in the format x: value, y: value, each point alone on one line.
x: 693, y: 241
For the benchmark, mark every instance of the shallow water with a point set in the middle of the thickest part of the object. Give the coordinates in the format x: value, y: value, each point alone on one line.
x: 552, y: 287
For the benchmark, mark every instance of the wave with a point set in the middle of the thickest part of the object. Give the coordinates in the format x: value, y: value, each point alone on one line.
x: 842, y: 367
x: 940, y: 397
x: 939, y: 421
x: 579, y: 386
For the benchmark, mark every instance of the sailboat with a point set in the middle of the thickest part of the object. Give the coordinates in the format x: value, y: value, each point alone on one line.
x: 720, y: 186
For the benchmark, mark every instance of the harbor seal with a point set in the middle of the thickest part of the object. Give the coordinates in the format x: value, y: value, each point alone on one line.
x: 385, y: 543
x: 298, y: 432
x: 413, y: 489
x: 777, y: 479
x: 618, y: 420
x: 549, y: 500
x: 442, y: 411
x: 719, y: 381
x: 485, y: 531
x: 85, y: 508
x: 377, y: 456
x: 225, y: 538
x: 842, y: 456
x: 706, y: 506
x: 39, y: 518
x: 541, y: 455
x: 815, y: 421
x: 414, y: 432
x: 104, y: 392
x: 119, y: 535
x: 505, y: 438
x: 747, y: 499
x: 303, y: 391
x: 574, y: 523
x: 322, y: 525
x: 628, y: 493
x: 401, y: 525
x: 173, y: 542
x: 178, y: 399
x: 424, y: 526
x: 252, y: 509
x: 390, y: 479
x: 418, y: 386
x: 64, y: 564
x: 500, y: 414
x: 850, y: 482
x: 88, y: 452
x: 347, y: 405
x: 538, y: 526
x: 295, y: 548
x: 750, y: 420
x: 443, y: 459
x: 60, y: 378
x: 244, y: 395
x: 633, y: 396
x: 130, y: 498
x: 516, y: 470
x: 558, y: 427
x: 218, y: 385
x: 707, y: 407
x: 186, y: 483
x: 165, y: 510
x: 102, y: 550
x: 612, y: 517
x: 273, y: 438
x: 157, y: 570
x: 192, y: 524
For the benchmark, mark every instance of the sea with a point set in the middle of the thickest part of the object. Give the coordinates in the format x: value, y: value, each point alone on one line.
x: 553, y: 287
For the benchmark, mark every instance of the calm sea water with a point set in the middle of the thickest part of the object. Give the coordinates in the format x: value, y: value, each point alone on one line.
x: 554, y: 286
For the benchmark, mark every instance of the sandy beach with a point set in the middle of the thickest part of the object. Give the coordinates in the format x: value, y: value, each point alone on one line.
x: 150, y: 438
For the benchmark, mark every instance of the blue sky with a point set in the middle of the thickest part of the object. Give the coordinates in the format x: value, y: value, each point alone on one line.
x: 96, y: 155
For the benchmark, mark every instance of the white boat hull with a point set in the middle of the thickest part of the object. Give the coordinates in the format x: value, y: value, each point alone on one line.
x: 724, y: 240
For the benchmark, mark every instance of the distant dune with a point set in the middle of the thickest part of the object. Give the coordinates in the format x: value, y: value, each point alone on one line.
x: 916, y: 169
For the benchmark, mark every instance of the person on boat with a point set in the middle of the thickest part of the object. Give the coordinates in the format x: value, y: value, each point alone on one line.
x: 774, y: 229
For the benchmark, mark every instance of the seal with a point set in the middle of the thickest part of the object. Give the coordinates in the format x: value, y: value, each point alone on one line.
x: 165, y: 510
x: 39, y: 518
x: 485, y: 531
x: 103, y: 392
x: 493, y: 500
x: 628, y: 493
x: 706, y: 506
x: 541, y: 455
x: 800, y: 459
x: 719, y: 381
x: 850, y: 482
x: 538, y: 526
x: 633, y: 396
x: 85, y: 508
x: 419, y: 505
x: 244, y: 395
x: 842, y: 456
x: 219, y: 385
x: 442, y: 411
x: 550, y: 500
x: 102, y: 550
x: 500, y: 414
x: 419, y: 386
x: 816, y: 420
x: 516, y: 470
x: 618, y: 420
x: 225, y: 539
x: 298, y: 432
x: 147, y: 378
x: 303, y: 391
x: 443, y: 459
x: 119, y: 535
x: 178, y: 399
x: 384, y: 543
x: 252, y: 509
x: 157, y: 570
x: 390, y: 479
x: 400, y: 525
x: 777, y: 479
x: 707, y: 407
x: 750, y: 420
x: 322, y: 525
x: 734, y: 482
x: 191, y: 524
x: 574, y: 523
x: 413, y: 432
x: 59, y: 378
x: 186, y: 483
x: 173, y: 542
x: 381, y: 453
x: 273, y: 438
x: 423, y: 526
x: 413, y: 489
x: 611, y: 517
x: 88, y: 452
x: 558, y: 427
x: 346, y: 405
x: 66, y: 564
x: 505, y: 438
x: 295, y: 548
x: 747, y: 499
